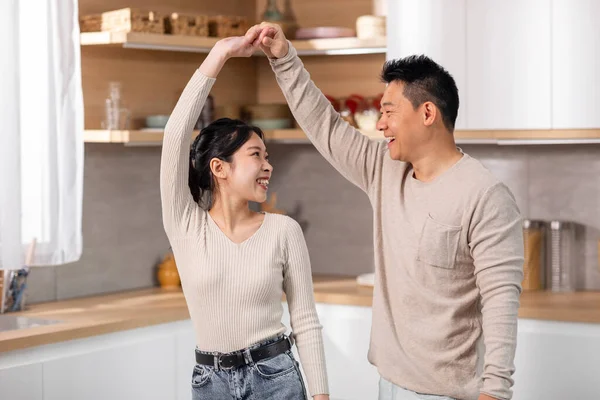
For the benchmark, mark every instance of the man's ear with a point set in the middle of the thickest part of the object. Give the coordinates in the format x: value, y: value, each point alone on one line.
x: 429, y: 113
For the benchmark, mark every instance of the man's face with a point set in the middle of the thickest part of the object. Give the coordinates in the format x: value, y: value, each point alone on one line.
x: 401, y: 124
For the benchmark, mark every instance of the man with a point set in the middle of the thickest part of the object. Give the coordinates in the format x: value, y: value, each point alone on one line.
x: 447, y: 234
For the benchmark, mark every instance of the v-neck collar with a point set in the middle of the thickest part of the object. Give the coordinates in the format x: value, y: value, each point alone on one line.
x: 228, y: 239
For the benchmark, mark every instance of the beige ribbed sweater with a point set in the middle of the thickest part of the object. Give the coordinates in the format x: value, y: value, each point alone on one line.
x: 234, y: 291
x: 448, y: 256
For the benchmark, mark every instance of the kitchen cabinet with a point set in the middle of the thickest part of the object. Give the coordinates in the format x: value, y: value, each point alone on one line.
x: 21, y: 383
x: 554, y: 361
x: 499, y: 54
x: 557, y: 360
x: 346, y: 333
x: 436, y: 29
x: 142, y: 368
x: 508, y: 64
x: 185, y: 343
x: 575, y: 64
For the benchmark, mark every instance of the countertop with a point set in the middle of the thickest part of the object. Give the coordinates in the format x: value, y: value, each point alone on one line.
x: 97, y: 315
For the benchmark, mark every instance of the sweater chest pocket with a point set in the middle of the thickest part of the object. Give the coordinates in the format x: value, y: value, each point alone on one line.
x: 438, y: 244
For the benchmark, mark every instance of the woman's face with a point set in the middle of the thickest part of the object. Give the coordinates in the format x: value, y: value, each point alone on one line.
x: 248, y: 174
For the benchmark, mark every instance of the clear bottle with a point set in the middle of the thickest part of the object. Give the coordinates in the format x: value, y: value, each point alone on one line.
x: 115, y: 116
x: 271, y: 12
x: 562, y: 257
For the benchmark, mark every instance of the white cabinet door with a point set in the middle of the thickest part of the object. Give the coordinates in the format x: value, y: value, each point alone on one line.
x: 436, y: 29
x: 575, y: 64
x: 557, y: 361
x: 508, y: 64
x: 185, y: 343
x: 346, y: 333
x: 21, y: 383
x: 140, y: 369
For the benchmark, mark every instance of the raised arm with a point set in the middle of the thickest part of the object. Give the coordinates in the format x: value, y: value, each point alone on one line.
x: 298, y: 288
x: 177, y: 202
x: 496, y: 242
x: 348, y: 150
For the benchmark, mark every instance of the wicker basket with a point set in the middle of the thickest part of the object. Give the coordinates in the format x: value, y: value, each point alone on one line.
x: 189, y: 25
x: 124, y: 20
x: 225, y: 26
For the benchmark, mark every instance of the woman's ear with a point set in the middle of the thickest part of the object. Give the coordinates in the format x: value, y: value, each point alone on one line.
x: 218, y: 168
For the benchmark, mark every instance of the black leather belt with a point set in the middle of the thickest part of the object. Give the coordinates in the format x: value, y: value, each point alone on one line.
x: 237, y: 359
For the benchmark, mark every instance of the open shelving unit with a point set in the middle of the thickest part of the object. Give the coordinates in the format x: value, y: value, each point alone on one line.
x: 338, y: 76
x: 153, y: 41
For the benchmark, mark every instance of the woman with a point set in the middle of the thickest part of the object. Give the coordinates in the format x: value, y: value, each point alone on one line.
x: 235, y: 264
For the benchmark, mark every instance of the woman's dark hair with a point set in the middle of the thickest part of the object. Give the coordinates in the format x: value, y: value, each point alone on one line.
x: 425, y: 80
x: 220, y: 139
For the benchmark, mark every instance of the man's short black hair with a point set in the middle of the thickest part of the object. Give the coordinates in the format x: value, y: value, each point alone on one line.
x: 425, y: 80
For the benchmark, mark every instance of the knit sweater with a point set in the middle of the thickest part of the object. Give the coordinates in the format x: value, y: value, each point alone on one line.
x: 234, y: 291
x: 448, y: 256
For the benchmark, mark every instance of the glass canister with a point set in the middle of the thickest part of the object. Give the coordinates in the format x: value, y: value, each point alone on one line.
x: 534, y: 241
x: 562, y: 256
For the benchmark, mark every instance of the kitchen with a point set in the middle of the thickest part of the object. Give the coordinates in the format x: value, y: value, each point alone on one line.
x: 527, y: 74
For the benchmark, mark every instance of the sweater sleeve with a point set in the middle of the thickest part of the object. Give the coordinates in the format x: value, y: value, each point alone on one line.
x: 350, y: 152
x: 176, y: 198
x: 307, y: 330
x: 497, y: 249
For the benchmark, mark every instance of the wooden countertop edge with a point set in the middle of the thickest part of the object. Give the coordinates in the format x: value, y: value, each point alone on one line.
x: 143, y: 308
x: 66, y: 331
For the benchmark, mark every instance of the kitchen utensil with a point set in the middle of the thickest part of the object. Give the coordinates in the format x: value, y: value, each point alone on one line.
x: 116, y: 117
x: 272, y: 123
x: 167, y: 275
x: 272, y: 13
x: 15, y: 283
x: 370, y: 26
x: 367, y: 117
x: 227, y: 25
x: 562, y: 256
x: 124, y: 20
x: 156, y: 121
x: 366, y: 279
x: 534, y: 237
x: 324, y: 32
x: 188, y: 25
x: 334, y: 102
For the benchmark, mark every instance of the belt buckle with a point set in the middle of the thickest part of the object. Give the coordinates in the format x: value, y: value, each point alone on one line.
x: 218, y: 361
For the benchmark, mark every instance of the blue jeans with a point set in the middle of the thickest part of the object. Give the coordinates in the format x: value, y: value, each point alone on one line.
x: 274, y: 378
x: 389, y: 391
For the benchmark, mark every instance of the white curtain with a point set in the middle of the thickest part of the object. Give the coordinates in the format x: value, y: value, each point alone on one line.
x: 41, y: 142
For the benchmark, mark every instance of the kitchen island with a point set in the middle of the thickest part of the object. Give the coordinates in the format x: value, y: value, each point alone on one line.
x: 139, y: 344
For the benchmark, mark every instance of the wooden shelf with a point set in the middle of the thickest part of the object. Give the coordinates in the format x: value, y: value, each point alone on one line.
x: 153, y: 41
x: 540, y: 137
x: 155, y: 137
x: 131, y: 138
